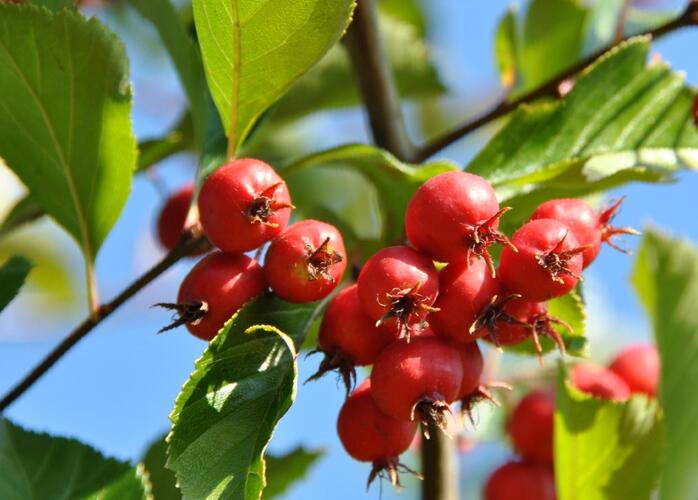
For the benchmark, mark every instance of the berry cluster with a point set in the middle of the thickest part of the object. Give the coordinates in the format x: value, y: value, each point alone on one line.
x: 418, y: 325
x: 243, y: 206
x: 530, y: 425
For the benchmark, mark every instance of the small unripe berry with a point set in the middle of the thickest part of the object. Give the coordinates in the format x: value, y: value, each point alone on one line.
x: 638, y: 366
x: 521, y: 481
x: 243, y: 204
x: 531, y: 426
x: 306, y: 262
x: 173, y: 216
x: 600, y: 382
x: 548, y: 262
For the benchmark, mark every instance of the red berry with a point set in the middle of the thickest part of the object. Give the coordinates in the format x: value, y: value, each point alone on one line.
x: 521, y: 481
x: 173, y: 216
x: 695, y: 110
x: 306, y: 262
x: 348, y: 337
x: 243, y: 205
x: 473, y: 364
x: 600, y: 382
x: 397, y: 287
x: 531, y: 426
x: 466, y: 289
x: 369, y: 435
x: 548, y: 262
x: 417, y: 379
x: 453, y: 216
x: 216, y: 287
x: 638, y: 366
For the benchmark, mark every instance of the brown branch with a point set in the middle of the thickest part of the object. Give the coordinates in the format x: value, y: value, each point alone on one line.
x: 186, y: 247
x: 688, y: 18
x: 439, y: 467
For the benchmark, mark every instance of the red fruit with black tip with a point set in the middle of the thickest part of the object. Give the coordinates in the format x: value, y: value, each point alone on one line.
x: 531, y: 426
x: 215, y: 288
x: 548, y: 262
x: 454, y: 215
x: 600, y: 382
x: 369, y: 435
x: 173, y: 216
x: 243, y: 204
x: 306, y: 262
x: 417, y: 380
x: 397, y: 288
x: 521, y: 481
x: 466, y: 289
x: 638, y: 366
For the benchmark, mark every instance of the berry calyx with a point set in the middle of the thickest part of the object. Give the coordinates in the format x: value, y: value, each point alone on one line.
x: 369, y: 435
x: 522, y: 480
x: 243, y: 204
x: 306, y: 262
x: 608, y: 232
x: 417, y: 380
x: 215, y: 288
x: 466, y: 289
x: 638, y: 366
x: 455, y: 215
x: 600, y: 382
x: 348, y: 338
x: 531, y: 426
x: 397, y: 288
x: 548, y: 262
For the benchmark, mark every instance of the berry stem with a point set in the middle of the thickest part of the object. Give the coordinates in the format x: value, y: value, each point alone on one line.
x: 439, y: 466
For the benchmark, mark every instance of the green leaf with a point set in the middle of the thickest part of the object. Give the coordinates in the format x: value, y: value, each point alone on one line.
x: 666, y: 281
x: 605, y: 449
x: 622, y: 122
x: 395, y: 183
x: 330, y: 83
x: 284, y: 470
x: 506, y: 40
x: 253, y: 50
x: 241, y: 386
x: 406, y: 11
x: 12, y: 275
x: 54, y: 4
x: 152, y: 151
x: 163, y: 483
x: 40, y: 466
x: 65, y: 126
x: 26, y: 210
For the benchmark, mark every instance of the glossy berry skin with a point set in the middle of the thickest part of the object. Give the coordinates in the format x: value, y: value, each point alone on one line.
x: 408, y: 373
x: 397, y: 286
x: 521, y: 481
x: 600, y: 382
x: 531, y: 426
x: 173, y: 216
x: 224, y: 282
x: 368, y: 434
x: 465, y: 290
x: 638, y: 366
x: 548, y: 262
x: 243, y: 204
x: 472, y: 364
x: 306, y: 262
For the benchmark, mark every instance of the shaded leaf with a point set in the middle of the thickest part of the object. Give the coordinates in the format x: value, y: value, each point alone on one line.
x: 284, y: 470
x: 163, y: 483
x: 179, y: 139
x: 26, y: 210
x: 12, y: 275
x: 406, y: 11
x: 506, y: 40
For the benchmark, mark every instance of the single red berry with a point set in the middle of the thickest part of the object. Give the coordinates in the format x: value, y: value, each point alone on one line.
x: 638, y: 366
x: 215, y: 288
x: 306, y: 262
x: 348, y: 338
x: 417, y: 379
x: 473, y: 364
x: 173, y: 216
x: 466, y: 289
x: 369, y: 435
x: 589, y: 228
x: 397, y: 287
x: 600, y: 382
x: 521, y: 480
x: 531, y: 426
x: 243, y: 204
x: 548, y: 262
x: 454, y: 215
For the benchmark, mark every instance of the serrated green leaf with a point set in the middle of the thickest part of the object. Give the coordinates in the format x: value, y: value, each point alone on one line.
x: 65, y: 126
x: 604, y: 449
x: 241, y: 386
x: 666, y: 281
x: 54, y: 4
x: 506, y: 40
x: 163, y: 483
x: 395, y: 183
x: 44, y: 467
x: 12, y: 275
x: 253, y: 50
x: 284, y: 470
x: 26, y: 210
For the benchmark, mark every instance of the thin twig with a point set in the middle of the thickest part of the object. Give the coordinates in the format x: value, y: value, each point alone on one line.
x: 688, y: 18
